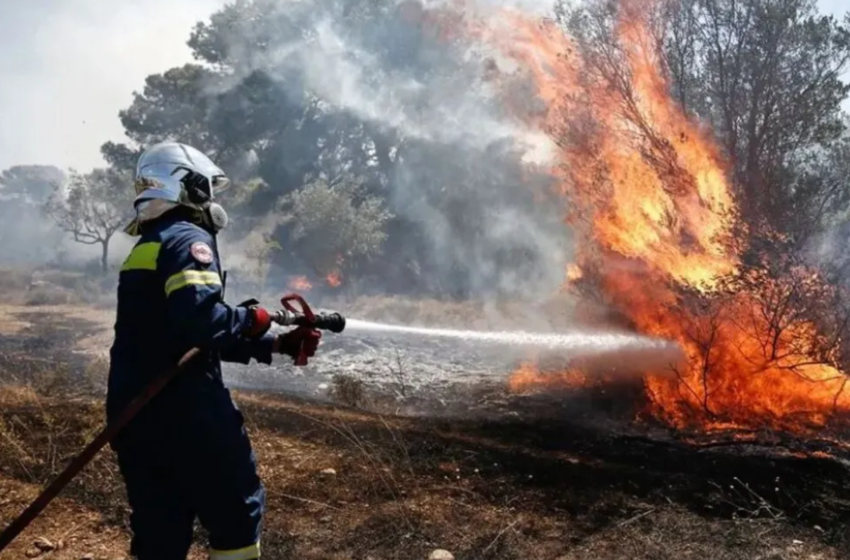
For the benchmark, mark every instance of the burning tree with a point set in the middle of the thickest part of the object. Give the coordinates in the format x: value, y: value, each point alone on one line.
x: 670, y: 237
x: 92, y: 207
x: 766, y: 76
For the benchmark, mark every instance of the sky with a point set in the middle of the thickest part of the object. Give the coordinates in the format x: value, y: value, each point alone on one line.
x: 68, y: 66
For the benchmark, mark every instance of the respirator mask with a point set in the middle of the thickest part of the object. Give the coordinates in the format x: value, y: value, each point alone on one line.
x: 216, y: 217
x: 199, y: 191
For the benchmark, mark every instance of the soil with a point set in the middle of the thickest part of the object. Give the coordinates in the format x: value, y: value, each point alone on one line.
x: 382, y: 466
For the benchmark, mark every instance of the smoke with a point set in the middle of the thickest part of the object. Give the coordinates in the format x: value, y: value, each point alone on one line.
x: 471, y: 177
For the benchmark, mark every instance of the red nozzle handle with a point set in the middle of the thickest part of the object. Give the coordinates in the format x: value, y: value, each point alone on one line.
x: 286, y: 302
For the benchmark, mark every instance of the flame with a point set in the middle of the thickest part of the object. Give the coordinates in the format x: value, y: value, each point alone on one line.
x: 300, y: 283
x: 656, y: 219
x: 334, y: 279
x: 529, y: 378
x: 574, y: 272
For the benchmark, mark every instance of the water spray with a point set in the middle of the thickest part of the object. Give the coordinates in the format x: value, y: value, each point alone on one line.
x: 578, y: 341
x: 619, y: 354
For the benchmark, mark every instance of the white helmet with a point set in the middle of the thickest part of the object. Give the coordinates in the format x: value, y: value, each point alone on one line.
x: 171, y: 174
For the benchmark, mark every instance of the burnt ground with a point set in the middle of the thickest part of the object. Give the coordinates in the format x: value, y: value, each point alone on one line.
x: 534, y: 477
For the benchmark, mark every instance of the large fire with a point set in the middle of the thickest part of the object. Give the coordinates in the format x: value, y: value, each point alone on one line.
x: 657, y: 221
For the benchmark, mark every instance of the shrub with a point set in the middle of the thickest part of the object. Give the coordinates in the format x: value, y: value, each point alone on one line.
x: 50, y: 294
x: 347, y: 390
x: 334, y: 225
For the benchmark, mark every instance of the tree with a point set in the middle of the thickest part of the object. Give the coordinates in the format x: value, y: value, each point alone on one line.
x: 121, y: 156
x: 765, y: 74
x: 173, y: 105
x: 23, y: 190
x: 93, y: 207
x: 333, y: 226
x: 30, y: 183
x: 273, y: 97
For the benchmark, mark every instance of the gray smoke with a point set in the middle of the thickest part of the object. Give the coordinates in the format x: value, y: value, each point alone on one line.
x: 460, y: 174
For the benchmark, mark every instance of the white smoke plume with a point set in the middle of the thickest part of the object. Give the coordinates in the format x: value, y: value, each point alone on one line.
x: 393, y: 72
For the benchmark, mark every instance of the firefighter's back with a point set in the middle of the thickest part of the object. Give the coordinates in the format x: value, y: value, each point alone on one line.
x: 145, y: 343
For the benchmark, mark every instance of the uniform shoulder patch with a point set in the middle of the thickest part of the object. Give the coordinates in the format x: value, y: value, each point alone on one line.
x: 201, y: 252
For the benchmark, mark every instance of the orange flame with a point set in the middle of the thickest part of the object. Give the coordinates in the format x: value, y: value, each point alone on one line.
x: 300, y: 283
x: 528, y: 378
x: 654, y: 212
x: 574, y: 272
x: 334, y: 279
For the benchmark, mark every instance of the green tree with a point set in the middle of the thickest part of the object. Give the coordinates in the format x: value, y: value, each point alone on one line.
x: 173, y: 105
x: 121, y: 156
x: 262, y: 103
x: 92, y: 207
x: 333, y: 226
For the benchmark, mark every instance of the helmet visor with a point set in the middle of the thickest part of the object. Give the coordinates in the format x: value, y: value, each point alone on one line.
x: 171, y: 176
x: 220, y: 183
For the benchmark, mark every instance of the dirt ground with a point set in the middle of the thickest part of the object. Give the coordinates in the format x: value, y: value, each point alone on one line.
x: 347, y: 484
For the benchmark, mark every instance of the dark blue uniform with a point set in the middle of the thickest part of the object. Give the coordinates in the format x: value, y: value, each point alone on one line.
x: 187, y: 453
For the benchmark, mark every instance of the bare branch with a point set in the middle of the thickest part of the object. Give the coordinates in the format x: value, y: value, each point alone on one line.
x: 92, y: 207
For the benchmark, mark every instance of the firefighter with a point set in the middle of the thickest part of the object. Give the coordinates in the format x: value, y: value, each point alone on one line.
x: 187, y: 454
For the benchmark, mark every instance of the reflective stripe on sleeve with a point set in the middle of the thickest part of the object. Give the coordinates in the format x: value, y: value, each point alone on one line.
x: 248, y: 553
x: 142, y: 257
x: 191, y: 278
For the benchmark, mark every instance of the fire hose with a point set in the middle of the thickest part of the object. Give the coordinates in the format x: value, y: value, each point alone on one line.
x: 303, y: 318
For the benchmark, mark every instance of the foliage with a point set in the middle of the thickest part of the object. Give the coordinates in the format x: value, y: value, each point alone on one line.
x: 262, y: 102
x: 767, y: 76
x: 334, y: 226
x: 31, y: 183
x: 120, y: 156
x: 171, y: 106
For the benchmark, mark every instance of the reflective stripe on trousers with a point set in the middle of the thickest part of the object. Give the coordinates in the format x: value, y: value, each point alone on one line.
x: 248, y: 553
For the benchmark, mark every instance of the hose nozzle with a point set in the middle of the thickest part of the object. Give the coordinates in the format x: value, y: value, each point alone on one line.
x: 333, y: 322
x: 305, y: 317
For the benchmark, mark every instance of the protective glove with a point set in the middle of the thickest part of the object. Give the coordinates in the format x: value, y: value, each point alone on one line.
x: 259, y: 319
x: 300, y: 342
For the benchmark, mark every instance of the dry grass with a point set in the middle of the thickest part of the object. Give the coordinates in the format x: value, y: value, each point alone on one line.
x: 343, y: 484
x: 398, y: 489
x: 23, y: 286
